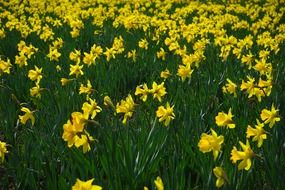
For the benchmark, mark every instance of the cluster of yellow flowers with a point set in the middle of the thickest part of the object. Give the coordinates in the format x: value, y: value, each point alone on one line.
x: 176, y: 35
x: 25, y: 53
x: 117, y: 48
x: 74, y: 132
x: 87, y: 185
x: 213, y: 142
x: 54, y: 54
x: 165, y: 114
x: 89, y: 58
x: 35, y: 75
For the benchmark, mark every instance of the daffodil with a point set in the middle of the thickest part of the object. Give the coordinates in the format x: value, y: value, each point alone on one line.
x: 258, y: 133
x: 2, y: 33
x: 270, y: 116
x: 65, y: 81
x: 248, y: 86
x: 29, y: 115
x: 89, y: 58
x: 230, y: 88
x: 85, y: 185
x: 127, y: 107
x: 83, y: 140
x: 184, y: 71
x: 74, y: 32
x: 143, y: 44
x: 133, y: 55
x: 86, y: 89
x: 262, y: 67
x: 35, y: 75
x: 158, y: 183
x: 118, y: 45
x: 220, y: 175
x: 96, y: 50
x: 5, y: 66
x: 3, y: 150
x: 70, y: 131
x: 76, y: 70
x: 75, y: 56
x: 225, y: 120
x: 74, y: 133
x: 53, y: 54
x: 210, y: 143
x: 110, y: 53
x: 244, y: 155
x: 165, y: 114
x: 108, y: 102
x: 248, y: 60
x: 91, y: 108
x: 143, y: 90
x: 158, y: 90
x: 165, y: 74
x: 161, y: 54
x: 36, y: 91
x: 265, y: 85
x: 21, y: 60
x: 58, y: 43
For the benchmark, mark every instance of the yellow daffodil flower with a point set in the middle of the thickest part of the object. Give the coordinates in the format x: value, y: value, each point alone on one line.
x: 258, y: 133
x: 165, y: 74
x: 143, y: 90
x: 3, y: 150
x: 270, y: 116
x: 85, y: 185
x: 127, y: 107
x: 91, y: 108
x: 165, y: 114
x: 220, y: 175
x: 158, y: 90
x: 225, y: 120
x: 86, y: 89
x: 230, y: 88
x: 244, y: 155
x: 65, y: 81
x: 5, y: 66
x: 76, y: 70
x: 36, y: 91
x: 143, y: 44
x: 158, y: 183
x: 29, y: 115
x: 35, y: 75
x: 210, y: 143
x: 184, y: 71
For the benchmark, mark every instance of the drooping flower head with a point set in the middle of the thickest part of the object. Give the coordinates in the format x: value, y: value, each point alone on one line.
x: 221, y: 176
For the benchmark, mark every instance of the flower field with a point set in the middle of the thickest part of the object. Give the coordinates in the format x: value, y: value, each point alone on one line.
x: 142, y: 94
